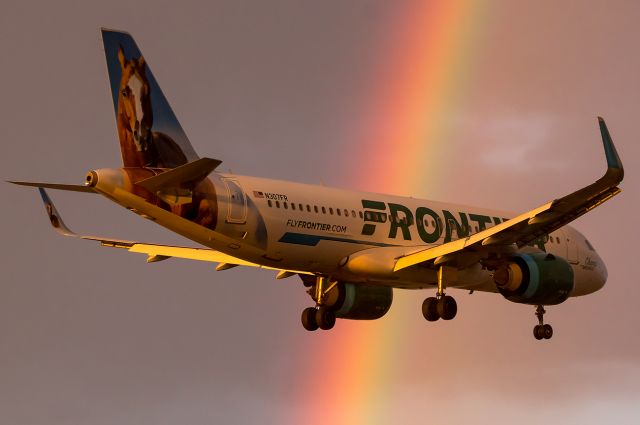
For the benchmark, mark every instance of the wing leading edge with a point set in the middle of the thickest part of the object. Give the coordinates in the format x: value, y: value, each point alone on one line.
x: 533, y: 224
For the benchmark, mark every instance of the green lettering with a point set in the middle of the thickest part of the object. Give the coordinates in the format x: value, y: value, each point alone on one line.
x: 374, y: 205
x: 398, y: 222
x: 427, y: 237
x: 462, y: 227
x: 482, y: 220
x: 369, y: 229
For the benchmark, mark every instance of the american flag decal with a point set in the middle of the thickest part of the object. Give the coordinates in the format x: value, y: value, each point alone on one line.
x: 258, y: 194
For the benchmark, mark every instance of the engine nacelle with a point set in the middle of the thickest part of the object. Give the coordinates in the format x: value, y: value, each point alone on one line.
x: 359, y: 302
x: 537, y: 278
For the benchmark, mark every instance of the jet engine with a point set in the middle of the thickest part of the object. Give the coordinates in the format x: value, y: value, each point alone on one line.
x: 537, y: 279
x: 359, y: 302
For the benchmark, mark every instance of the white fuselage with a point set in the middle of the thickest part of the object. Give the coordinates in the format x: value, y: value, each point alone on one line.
x: 319, y: 229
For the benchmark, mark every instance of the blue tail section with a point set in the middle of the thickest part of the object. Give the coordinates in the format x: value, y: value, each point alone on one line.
x: 149, y: 132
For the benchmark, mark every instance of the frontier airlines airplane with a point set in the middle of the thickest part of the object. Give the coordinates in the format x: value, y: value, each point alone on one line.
x: 350, y: 249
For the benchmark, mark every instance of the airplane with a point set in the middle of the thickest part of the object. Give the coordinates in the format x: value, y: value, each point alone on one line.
x: 350, y: 249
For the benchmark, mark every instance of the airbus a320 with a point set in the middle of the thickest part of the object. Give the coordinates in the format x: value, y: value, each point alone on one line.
x: 350, y: 249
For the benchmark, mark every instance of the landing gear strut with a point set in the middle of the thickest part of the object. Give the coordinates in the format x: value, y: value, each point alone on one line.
x: 319, y: 316
x: 541, y: 330
x: 441, y: 306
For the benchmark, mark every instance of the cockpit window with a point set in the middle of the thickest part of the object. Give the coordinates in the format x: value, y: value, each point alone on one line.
x: 589, y: 245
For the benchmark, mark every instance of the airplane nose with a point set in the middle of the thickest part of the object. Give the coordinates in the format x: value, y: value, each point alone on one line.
x: 591, y: 278
x: 602, y: 274
x: 598, y: 276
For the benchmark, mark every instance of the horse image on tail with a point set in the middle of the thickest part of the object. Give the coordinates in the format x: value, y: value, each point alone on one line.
x: 140, y: 145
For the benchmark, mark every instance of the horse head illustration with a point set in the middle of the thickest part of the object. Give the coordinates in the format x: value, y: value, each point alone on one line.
x: 141, y: 146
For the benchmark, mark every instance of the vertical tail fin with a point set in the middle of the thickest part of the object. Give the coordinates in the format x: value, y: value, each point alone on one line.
x: 149, y: 132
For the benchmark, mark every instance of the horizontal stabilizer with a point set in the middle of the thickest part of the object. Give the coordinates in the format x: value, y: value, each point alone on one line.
x: 69, y: 187
x: 183, y: 176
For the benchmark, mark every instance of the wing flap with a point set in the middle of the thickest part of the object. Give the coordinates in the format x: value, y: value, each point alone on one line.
x: 158, y: 252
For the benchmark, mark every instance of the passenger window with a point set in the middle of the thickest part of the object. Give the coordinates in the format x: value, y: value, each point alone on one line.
x: 269, y: 202
x: 300, y: 207
x: 353, y: 214
x: 324, y: 210
x: 293, y: 206
x: 557, y: 239
x: 360, y: 213
x: 284, y: 204
x: 346, y: 213
x: 338, y: 211
x: 277, y: 204
x: 330, y: 210
x: 315, y: 208
x: 308, y: 208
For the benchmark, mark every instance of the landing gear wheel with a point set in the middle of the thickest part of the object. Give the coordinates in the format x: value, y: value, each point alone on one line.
x: 538, y: 332
x: 447, y: 307
x: 542, y: 330
x: 547, y: 331
x: 430, y: 309
x: 325, y: 318
x: 309, y: 319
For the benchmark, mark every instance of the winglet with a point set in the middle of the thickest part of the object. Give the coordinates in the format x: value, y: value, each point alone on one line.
x: 54, y: 215
x: 613, y: 160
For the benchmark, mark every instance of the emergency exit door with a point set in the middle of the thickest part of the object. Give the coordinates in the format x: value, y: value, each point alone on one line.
x: 236, y: 202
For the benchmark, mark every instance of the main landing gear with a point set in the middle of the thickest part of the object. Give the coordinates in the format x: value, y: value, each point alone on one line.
x: 441, y: 306
x: 319, y: 316
x: 541, y: 330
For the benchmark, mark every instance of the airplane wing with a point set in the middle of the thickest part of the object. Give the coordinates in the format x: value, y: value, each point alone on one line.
x: 533, y: 224
x: 157, y: 252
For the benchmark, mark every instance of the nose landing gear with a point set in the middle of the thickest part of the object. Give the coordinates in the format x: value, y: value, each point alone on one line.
x: 542, y: 330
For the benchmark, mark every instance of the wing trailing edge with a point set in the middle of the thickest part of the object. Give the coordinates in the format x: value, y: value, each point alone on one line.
x: 156, y: 252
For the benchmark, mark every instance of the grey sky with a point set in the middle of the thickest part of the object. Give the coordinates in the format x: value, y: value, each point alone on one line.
x: 96, y: 336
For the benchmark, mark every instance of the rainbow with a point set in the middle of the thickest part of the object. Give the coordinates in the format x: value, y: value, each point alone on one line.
x: 418, y: 92
x: 405, y: 130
